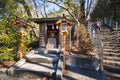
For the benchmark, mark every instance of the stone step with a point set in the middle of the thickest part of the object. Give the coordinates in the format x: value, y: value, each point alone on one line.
x: 110, y: 36
x: 107, y: 49
x: 114, y: 58
x: 113, y: 35
x: 41, y: 58
x: 111, y: 54
x: 107, y: 45
x: 116, y: 34
x: 118, y: 28
x: 53, y: 52
x: 82, y: 62
x: 34, y: 70
x: 107, y: 33
x: 75, y: 73
x: 113, y: 69
x: 114, y: 63
x: 111, y: 50
x: 114, y: 39
x: 111, y: 39
x: 105, y: 30
x: 111, y: 47
x: 112, y: 75
x: 3, y: 70
x: 37, y: 65
x: 110, y: 42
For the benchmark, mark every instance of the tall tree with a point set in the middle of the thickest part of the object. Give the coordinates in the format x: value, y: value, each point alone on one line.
x: 75, y: 8
x: 36, y: 8
x: 107, y: 8
x: 26, y: 6
x: 76, y: 11
x: 8, y: 35
x: 9, y: 38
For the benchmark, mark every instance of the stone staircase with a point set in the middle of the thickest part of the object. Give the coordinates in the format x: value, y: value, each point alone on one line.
x: 111, y: 51
x: 39, y: 65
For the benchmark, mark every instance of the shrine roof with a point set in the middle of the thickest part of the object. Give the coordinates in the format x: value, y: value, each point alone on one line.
x: 45, y: 20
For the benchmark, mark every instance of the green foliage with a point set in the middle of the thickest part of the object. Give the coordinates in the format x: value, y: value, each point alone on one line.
x: 107, y: 8
x: 75, y: 11
x: 6, y: 53
x: 69, y: 3
x: 9, y: 39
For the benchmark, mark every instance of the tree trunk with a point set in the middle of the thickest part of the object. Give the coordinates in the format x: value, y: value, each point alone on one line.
x: 26, y: 8
x: 36, y: 9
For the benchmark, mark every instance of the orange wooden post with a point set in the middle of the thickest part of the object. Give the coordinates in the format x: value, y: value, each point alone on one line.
x: 64, y: 46
x: 20, y: 25
x: 21, y: 50
x: 64, y: 23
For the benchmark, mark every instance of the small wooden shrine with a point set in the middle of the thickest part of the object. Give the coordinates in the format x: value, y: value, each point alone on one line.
x: 50, y: 32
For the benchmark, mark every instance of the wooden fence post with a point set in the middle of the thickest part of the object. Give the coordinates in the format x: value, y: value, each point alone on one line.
x: 116, y: 25
x: 105, y: 20
x: 110, y: 22
x: 101, y: 57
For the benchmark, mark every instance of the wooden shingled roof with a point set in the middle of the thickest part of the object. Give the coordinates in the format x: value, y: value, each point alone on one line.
x: 43, y: 20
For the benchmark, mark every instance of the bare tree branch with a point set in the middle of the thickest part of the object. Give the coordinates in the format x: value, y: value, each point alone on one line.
x: 63, y: 8
x: 36, y: 8
x: 89, y: 4
x: 26, y: 8
x: 45, y: 8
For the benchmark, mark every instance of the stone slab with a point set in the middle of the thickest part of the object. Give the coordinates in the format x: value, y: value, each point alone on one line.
x: 83, y: 74
x: 42, y: 58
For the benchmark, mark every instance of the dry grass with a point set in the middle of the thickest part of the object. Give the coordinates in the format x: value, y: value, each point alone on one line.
x: 7, y: 64
x: 84, y: 44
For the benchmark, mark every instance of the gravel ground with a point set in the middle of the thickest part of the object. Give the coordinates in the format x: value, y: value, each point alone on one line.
x: 3, y: 76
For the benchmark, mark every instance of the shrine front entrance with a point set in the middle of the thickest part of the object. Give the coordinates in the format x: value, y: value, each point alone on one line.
x: 52, y: 36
